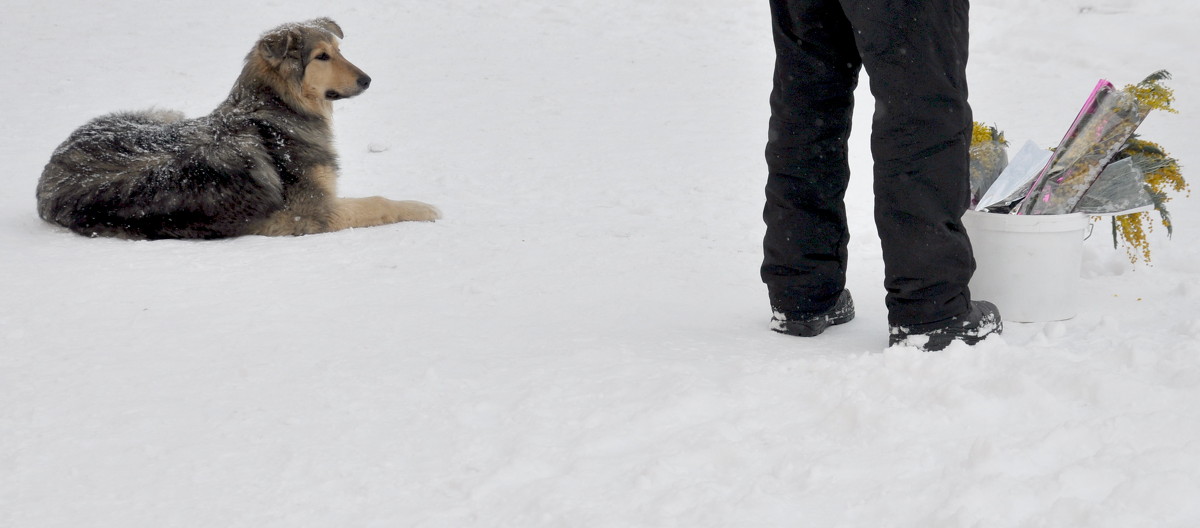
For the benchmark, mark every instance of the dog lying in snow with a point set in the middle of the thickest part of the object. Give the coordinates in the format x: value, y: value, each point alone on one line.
x: 262, y: 163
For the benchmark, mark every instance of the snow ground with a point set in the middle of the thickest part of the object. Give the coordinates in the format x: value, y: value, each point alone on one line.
x: 582, y: 340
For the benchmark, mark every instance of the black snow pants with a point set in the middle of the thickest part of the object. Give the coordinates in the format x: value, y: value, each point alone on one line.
x: 915, y: 54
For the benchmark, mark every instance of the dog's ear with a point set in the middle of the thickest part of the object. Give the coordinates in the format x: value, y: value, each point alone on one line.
x: 277, y: 45
x: 329, y: 25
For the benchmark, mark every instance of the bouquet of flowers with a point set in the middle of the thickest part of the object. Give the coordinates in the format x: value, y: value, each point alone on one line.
x: 1106, y: 122
x: 1100, y: 167
x: 1160, y: 173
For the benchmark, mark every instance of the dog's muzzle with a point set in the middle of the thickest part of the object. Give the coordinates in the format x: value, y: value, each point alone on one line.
x: 363, y: 82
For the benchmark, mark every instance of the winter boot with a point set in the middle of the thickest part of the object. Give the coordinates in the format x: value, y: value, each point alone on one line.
x: 810, y: 325
x: 972, y: 327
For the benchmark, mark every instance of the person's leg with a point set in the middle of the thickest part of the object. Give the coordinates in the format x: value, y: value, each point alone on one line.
x: 816, y: 71
x: 915, y: 53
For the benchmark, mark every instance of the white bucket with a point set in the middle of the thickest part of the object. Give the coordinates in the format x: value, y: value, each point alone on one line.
x: 1027, y: 264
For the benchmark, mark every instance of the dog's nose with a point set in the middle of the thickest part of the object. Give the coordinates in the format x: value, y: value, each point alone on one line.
x: 364, y: 82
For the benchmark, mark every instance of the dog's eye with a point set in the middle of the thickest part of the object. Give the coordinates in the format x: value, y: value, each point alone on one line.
x: 323, y: 57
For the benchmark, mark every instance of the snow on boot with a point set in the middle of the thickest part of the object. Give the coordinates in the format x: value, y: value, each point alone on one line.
x: 972, y: 327
x: 812, y: 324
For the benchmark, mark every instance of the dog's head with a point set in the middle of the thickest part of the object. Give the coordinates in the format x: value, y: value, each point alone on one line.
x: 307, y: 58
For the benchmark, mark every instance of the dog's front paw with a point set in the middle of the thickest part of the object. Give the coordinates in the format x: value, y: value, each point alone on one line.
x: 414, y: 211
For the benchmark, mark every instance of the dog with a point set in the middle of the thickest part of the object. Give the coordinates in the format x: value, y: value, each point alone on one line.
x: 262, y: 163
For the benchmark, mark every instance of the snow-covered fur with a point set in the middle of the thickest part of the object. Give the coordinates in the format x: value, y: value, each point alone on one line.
x: 262, y: 163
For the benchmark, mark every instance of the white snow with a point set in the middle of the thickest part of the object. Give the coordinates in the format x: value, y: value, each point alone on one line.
x: 583, y: 340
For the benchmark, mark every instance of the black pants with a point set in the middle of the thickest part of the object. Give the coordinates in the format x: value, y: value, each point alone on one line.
x: 915, y: 53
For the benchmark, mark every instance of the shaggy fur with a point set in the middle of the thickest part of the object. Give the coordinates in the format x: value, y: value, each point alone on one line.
x: 262, y: 163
